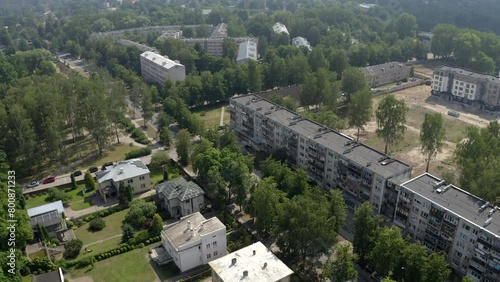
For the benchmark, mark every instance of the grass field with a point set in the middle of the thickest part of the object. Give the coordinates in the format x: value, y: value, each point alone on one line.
x: 78, y: 201
x: 131, y: 266
x: 113, y: 153
x: 102, y: 247
x: 39, y: 254
x: 113, y: 227
x: 211, y: 115
x: 411, y: 140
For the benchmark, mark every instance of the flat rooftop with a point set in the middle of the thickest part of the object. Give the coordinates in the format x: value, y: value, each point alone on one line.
x: 160, y: 60
x: 359, y: 153
x: 456, y: 200
x: 468, y: 73
x: 258, y: 261
x: 179, y: 234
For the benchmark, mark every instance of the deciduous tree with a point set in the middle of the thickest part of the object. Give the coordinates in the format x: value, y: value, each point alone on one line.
x: 391, y: 119
x: 267, y: 205
x: 387, y: 250
x: 353, y: 80
x: 432, y: 136
x: 366, y: 228
x: 360, y: 109
x: 183, y: 146
x: 341, y: 268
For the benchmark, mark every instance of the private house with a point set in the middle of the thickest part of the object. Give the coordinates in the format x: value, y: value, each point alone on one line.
x: 157, y: 68
x: 382, y: 74
x: 247, y: 50
x: 448, y: 219
x: 425, y: 37
x: 280, y: 28
x: 129, y: 172
x: 194, y: 240
x: 252, y: 263
x: 180, y: 197
x: 51, y: 217
x: 53, y: 276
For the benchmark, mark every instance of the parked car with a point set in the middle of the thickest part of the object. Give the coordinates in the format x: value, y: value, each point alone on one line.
x: 453, y: 114
x: 105, y: 165
x: 33, y: 184
x: 93, y: 169
x: 77, y: 173
x: 49, y: 179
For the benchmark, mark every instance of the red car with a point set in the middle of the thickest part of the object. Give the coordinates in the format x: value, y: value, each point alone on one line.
x: 49, y: 179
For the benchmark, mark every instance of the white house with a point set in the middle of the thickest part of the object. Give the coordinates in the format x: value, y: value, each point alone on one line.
x: 253, y: 263
x: 280, y: 28
x: 180, y: 197
x: 50, y: 216
x: 157, y: 68
x: 129, y: 172
x: 301, y: 42
x: 247, y: 50
x: 194, y: 240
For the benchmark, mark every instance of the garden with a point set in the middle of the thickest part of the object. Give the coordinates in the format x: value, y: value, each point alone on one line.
x: 77, y: 199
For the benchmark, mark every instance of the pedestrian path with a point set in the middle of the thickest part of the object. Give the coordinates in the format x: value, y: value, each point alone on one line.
x: 222, y: 115
x: 102, y: 240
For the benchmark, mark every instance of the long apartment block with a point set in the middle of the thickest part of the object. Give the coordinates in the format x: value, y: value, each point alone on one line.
x: 479, y: 90
x: 331, y: 158
x: 448, y: 219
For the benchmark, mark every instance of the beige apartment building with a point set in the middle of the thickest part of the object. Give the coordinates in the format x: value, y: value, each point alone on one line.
x: 157, y: 68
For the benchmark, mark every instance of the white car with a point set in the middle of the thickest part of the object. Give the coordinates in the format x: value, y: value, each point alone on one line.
x: 33, y: 184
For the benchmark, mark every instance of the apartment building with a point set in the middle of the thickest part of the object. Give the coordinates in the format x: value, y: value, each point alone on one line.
x: 301, y: 42
x: 382, y: 74
x: 247, y: 50
x: 157, y: 68
x: 332, y: 159
x: 194, y: 240
x: 425, y: 37
x: 280, y: 28
x: 213, y: 45
x: 479, y: 90
x: 446, y: 218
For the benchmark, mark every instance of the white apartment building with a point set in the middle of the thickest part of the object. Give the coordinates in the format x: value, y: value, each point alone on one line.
x: 194, y: 240
x: 480, y: 90
x: 280, y: 28
x: 301, y: 42
x: 129, y: 172
x: 252, y: 263
x: 247, y: 50
x: 446, y: 218
x: 157, y: 68
x: 332, y: 159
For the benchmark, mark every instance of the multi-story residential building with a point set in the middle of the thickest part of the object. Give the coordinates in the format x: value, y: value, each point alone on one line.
x: 331, y: 158
x: 479, y: 90
x: 252, y: 263
x: 425, y: 37
x: 280, y: 28
x: 130, y: 172
x: 51, y: 217
x: 157, y: 68
x: 194, y: 240
x: 446, y: 218
x: 382, y: 74
x: 213, y: 45
x: 301, y: 42
x: 141, y: 47
x: 247, y: 50
x: 180, y: 197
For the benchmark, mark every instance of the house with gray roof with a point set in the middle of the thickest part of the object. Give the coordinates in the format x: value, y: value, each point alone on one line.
x: 247, y: 50
x: 180, y: 197
x: 129, y: 172
x: 53, y: 276
x: 50, y: 216
x: 382, y: 74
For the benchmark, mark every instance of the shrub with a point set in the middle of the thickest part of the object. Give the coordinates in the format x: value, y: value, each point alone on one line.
x: 147, y: 242
x: 55, y: 241
x: 72, y: 249
x: 78, y: 222
x: 97, y: 224
x: 158, y: 160
x: 56, y: 195
x: 139, y: 136
x: 70, y: 223
x: 138, y: 153
x: 128, y: 125
x: 89, y: 217
x: 141, y: 245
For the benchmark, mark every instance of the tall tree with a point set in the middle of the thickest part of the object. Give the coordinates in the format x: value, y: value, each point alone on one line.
x: 73, y: 182
x: 391, y: 119
x: 166, y: 137
x: 442, y: 41
x: 267, y: 205
x: 406, y: 25
x: 360, y: 109
x: 216, y: 187
x: 353, y: 80
x: 341, y: 269
x: 432, y: 136
x: 183, y: 146
x: 147, y: 107
x: 156, y: 225
x: 387, y: 250
x: 254, y: 76
x: 366, y: 228
x: 412, y: 264
x: 117, y: 105
x: 466, y: 46
x: 437, y: 268
x: 338, y: 208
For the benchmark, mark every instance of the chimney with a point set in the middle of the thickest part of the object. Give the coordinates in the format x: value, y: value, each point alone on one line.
x: 254, y: 252
x: 121, y: 170
x: 233, y: 261
x: 245, y: 273
x: 265, y: 265
x: 191, y: 233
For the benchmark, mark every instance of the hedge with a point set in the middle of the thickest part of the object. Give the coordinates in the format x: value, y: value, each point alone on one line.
x: 102, y: 213
x: 139, y: 136
x: 138, y: 153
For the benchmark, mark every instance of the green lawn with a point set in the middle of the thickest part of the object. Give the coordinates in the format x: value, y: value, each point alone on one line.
x: 157, y: 174
x: 131, y: 266
x: 102, y: 247
x: 39, y: 254
x: 113, y: 153
x: 28, y: 278
x: 113, y: 227
x: 410, y: 141
x: 211, y: 115
x: 78, y: 201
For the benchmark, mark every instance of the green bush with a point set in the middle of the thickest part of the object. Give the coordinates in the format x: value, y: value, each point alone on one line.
x: 55, y: 241
x: 138, y: 153
x: 70, y: 223
x: 89, y: 217
x: 128, y: 125
x: 72, y: 249
x: 139, y: 136
x: 97, y: 224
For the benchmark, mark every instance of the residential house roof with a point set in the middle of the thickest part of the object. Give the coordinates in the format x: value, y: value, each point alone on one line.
x: 301, y: 42
x: 391, y: 67
x: 141, y: 47
x: 179, y: 188
x: 252, y: 263
x: 46, y: 208
x: 122, y: 170
x: 53, y: 276
x: 280, y: 28
x: 247, y: 50
x: 160, y: 60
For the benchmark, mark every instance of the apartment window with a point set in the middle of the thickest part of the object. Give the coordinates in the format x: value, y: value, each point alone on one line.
x: 208, y: 246
x: 472, y: 241
x: 458, y: 254
x: 460, y: 245
x: 143, y: 185
x: 417, y: 201
x: 424, y: 214
x: 475, y: 232
x: 214, y: 244
x: 130, y: 181
x: 215, y: 253
x: 465, y: 226
x: 209, y: 256
x: 463, y: 236
x: 187, y: 201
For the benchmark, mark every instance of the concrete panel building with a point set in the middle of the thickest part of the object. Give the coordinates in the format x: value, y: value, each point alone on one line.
x: 382, y: 74
x: 332, y: 159
x: 448, y: 219
x: 280, y: 28
x: 301, y: 42
x: 157, y: 68
x: 194, y: 240
x: 252, y: 263
x: 247, y: 50
x: 180, y: 197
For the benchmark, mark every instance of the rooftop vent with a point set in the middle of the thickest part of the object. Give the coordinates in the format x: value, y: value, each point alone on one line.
x: 245, y: 273
x: 488, y: 221
x: 121, y: 170
x: 368, y: 164
x: 386, y: 162
x: 233, y: 261
x: 483, y: 207
x: 292, y: 123
x: 492, y: 211
x: 265, y: 265
x: 254, y: 252
x: 317, y: 136
x: 259, y: 109
x: 188, y: 225
x: 439, y: 191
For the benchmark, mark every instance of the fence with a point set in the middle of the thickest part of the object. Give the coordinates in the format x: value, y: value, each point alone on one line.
x: 398, y: 87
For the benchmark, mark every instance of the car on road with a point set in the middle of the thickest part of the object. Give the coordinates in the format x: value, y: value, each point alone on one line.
x: 105, y: 165
x: 49, y: 179
x: 453, y: 114
x: 33, y: 184
x: 93, y: 169
x: 77, y: 173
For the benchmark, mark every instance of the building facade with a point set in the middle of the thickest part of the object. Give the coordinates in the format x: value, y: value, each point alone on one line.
x: 252, y: 263
x: 247, y: 50
x: 301, y: 42
x: 180, y: 197
x: 194, y: 240
x: 382, y: 74
x: 157, y: 68
x: 51, y: 217
x: 280, y: 28
x: 425, y: 37
x: 129, y: 172
x: 448, y: 219
x: 471, y: 88
x: 332, y: 159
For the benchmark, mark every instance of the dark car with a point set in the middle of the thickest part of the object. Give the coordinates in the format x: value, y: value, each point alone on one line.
x: 49, y: 179
x: 93, y: 169
x: 105, y: 165
x: 77, y: 173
